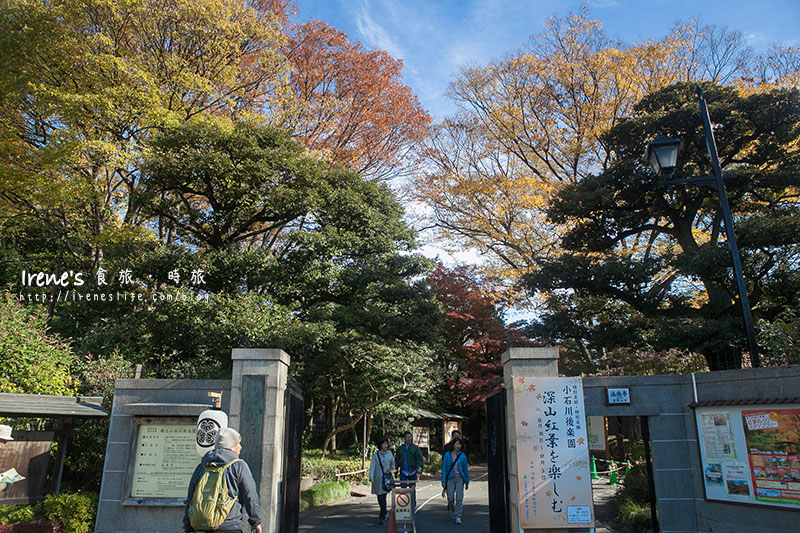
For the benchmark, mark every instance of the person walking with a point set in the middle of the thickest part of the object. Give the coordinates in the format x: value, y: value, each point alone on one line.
x: 456, y: 434
x: 455, y: 478
x: 410, y: 462
x: 381, y: 472
x: 241, y: 486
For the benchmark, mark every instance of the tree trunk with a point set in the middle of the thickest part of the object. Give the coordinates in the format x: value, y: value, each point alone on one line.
x: 330, y: 423
x: 331, y: 437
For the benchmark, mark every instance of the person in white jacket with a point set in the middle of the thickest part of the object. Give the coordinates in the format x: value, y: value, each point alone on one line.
x: 381, y: 469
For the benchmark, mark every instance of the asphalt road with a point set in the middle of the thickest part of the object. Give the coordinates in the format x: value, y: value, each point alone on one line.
x: 360, y: 514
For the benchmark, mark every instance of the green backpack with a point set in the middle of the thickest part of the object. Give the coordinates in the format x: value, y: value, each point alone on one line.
x: 210, y: 503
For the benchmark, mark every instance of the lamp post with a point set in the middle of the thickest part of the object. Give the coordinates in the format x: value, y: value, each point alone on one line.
x: 662, y: 154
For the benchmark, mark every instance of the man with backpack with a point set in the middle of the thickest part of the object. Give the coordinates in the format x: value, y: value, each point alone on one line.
x: 220, y: 487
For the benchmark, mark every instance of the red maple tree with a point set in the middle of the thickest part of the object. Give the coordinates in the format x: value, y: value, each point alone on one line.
x: 475, y: 333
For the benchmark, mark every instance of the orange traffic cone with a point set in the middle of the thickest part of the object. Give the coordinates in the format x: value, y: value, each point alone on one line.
x: 391, y: 524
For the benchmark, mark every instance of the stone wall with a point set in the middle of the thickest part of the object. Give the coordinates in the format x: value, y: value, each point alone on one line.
x: 146, y: 397
x: 665, y: 400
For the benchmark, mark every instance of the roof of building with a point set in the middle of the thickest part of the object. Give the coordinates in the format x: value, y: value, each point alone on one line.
x: 45, y: 406
x: 424, y: 413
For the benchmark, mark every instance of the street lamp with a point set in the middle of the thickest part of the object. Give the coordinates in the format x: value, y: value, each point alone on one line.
x: 662, y: 154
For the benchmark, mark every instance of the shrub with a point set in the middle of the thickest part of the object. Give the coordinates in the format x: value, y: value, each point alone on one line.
x: 434, y: 463
x: 634, y: 485
x: 632, y: 500
x: 322, y: 493
x: 326, y: 469
x: 76, y: 512
x: 31, y: 360
x: 11, y: 514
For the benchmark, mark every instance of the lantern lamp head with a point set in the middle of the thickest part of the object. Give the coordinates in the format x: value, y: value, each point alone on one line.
x: 662, y: 154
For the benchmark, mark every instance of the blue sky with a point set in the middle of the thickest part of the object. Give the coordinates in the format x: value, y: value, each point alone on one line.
x: 435, y: 38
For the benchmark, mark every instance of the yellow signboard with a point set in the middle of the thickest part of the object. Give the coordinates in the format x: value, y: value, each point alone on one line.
x: 164, y: 461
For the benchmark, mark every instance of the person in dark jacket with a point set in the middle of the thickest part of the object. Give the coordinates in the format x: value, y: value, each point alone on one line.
x: 409, y: 462
x: 241, y: 484
x: 456, y: 434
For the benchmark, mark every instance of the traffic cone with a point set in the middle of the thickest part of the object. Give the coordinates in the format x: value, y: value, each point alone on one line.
x: 612, y: 479
x: 594, y: 468
x: 391, y: 524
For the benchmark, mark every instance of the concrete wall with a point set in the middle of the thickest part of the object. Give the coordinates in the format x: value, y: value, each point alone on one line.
x: 680, y: 496
x: 146, y: 397
x: 254, y: 401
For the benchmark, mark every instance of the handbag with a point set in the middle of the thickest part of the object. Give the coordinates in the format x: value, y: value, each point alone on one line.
x: 386, y: 479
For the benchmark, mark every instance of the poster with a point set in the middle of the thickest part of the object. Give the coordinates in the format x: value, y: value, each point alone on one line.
x: 597, y: 433
x: 773, y: 448
x: 164, y: 460
x: 751, y: 455
x: 555, y: 489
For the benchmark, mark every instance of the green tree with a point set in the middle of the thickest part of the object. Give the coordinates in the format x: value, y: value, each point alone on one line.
x: 659, y: 255
x: 31, y: 360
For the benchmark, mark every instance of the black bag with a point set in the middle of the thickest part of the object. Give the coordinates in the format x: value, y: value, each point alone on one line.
x: 386, y: 480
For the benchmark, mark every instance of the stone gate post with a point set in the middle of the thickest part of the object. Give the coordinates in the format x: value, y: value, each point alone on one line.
x: 528, y: 362
x: 258, y: 387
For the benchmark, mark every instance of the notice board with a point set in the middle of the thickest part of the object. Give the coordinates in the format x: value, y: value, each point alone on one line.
x: 751, y: 454
x: 163, y: 458
x: 555, y: 489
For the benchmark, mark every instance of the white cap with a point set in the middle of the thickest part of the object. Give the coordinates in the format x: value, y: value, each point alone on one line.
x: 5, y: 432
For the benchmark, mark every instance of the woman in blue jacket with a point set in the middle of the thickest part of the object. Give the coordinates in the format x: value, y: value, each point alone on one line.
x: 455, y: 478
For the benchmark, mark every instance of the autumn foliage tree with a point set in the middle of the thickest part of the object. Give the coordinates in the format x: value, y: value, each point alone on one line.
x: 648, y: 267
x: 473, y: 332
x: 533, y: 122
x: 350, y: 103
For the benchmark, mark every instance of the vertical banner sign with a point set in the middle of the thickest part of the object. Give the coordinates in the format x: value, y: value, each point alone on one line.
x: 555, y: 488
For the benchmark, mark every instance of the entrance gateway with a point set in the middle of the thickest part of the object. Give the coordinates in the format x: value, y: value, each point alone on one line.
x: 706, y: 452
x: 151, y: 450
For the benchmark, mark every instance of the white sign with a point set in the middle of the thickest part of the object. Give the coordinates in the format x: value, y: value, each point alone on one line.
x: 618, y: 396
x: 579, y: 514
x: 555, y: 489
x: 402, y: 506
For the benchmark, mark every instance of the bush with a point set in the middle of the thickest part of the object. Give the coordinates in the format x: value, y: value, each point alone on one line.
x: 632, y: 500
x: 434, y: 463
x: 633, y: 515
x: 75, y: 512
x: 11, y: 514
x: 326, y: 469
x: 322, y: 493
x: 634, y: 485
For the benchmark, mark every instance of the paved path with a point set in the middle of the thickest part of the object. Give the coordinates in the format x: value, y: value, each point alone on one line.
x: 360, y: 514
x: 357, y: 515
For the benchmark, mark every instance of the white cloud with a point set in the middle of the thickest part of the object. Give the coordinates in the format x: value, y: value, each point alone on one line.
x: 376, y: 35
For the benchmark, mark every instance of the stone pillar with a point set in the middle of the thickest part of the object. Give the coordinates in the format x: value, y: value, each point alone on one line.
x: 519, y: 362
x: 258, y: 387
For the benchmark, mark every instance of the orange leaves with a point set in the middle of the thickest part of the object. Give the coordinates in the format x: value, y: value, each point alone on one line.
x: 350, y: 103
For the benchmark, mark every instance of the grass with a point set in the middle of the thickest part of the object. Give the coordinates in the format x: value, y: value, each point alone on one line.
x: 322, y: 493
x: 312, y: 464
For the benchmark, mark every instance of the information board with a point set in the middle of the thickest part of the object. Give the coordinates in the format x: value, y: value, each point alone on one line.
x: 751, y: 455
x: 597, y: 433
x: 164, y: 460
x: 555, y: 488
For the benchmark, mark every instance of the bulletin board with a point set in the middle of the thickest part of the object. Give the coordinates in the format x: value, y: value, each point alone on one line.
x: 751, y: 454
